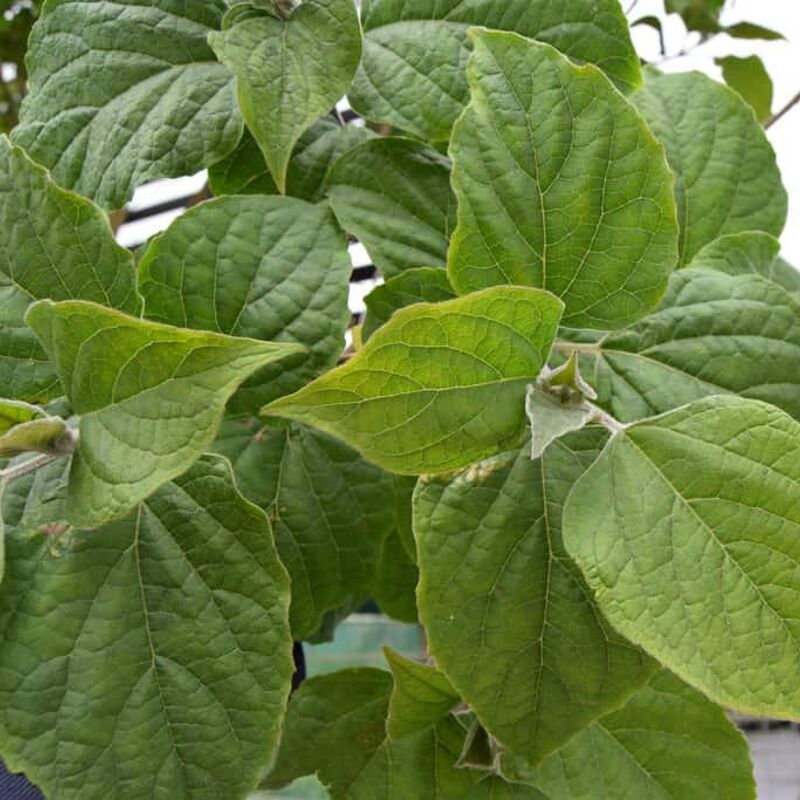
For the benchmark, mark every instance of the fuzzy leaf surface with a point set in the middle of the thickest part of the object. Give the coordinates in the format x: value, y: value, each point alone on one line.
x: 166, y: 662
x: 122, y: 92
x: 150, y: 398
x: 714, y: 333
x: 667, y: 743
x: 394, y: 195
x: 331, y: 511
x: 289, y: 71
x: 687, y: 529
x: 412, y: 70
x: 560, y: 184
x: 420, y: 285
x: 53, y: 244
x: 439, y: 385
x: 726, y: 178
x: 271, y: 268
x: 509, y: 618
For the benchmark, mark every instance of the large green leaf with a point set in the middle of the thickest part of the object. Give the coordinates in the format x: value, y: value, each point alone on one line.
x: 714, y: 333
x: 336, y: 726
x: 509, y: 618
x: 412, y: 70
x: 52, y: 244
x: 687, y: 529
x: 439, y: 385
x: 244, y: 171
x: 667, y: 743
x: 330, y: 509
x: 289, y: 71
x: 560, y: 184
x: 150, y: 657
x: 394, y: 195
x: 270, y: 268
x: 150, y: 398
x: 726, y: 179
x: 123, y: 91
x: 420, y: 285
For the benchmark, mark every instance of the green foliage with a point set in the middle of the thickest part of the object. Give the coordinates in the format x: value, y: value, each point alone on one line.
x: 563, y: 439
x: 289, y: 71
x: 558, y: 180
x: 162, y: 108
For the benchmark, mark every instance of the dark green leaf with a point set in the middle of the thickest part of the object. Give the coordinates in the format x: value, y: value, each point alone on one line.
x: 394, y: 195
x: 271, y: 268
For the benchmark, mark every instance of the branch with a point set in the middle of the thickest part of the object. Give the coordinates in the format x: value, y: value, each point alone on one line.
x: 778, y: 114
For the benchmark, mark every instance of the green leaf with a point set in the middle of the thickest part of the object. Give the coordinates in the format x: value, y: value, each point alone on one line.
x: 420, y: 285
x: 122, y: 92
x: 439, y: 385
x: 667, y: 743
x: 751, y: 252
x: 14, y: 413
x: 748, y: 30
x: 394, y: 584
x: 289, y: 71
x: 336, y: 726
x: 551, y: 418
x: 330, y: 509
x: 150, y: 398
x: 412, y: 70
x: 271, y: 268
x: 421, y: 696
x: 404, y: 486
x: 394, y: 195
x: 560, y: 184
x: 697, y: 15
x: 150, y: 657
x: 751, y: 80
x: 687, y: 529
x: 341, y: 712
x: 726, y: 179
x: 713, y: 334
x: 35, y: 502
x: 785, y: 275
x: 244, y: 171
x: 509, y: 618
x: 52, y: 244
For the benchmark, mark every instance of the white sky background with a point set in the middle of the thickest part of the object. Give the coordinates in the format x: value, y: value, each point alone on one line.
x: 781, y: 59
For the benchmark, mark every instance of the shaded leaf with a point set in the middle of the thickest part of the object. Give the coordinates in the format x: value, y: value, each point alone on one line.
x: 150, y: 398
x: 667, y: 743
x: 701, y: 566
x: 726, y: 179
x: 749, y: 77
x: 420, y: 285
x: 330, y: 509
x: 244, y: 171
x: 510, y: 620
x: 420, y: 698
x: 560, y: 184
x: 270, y: 268
x: 52, y: 244
x: 167, y: 659
x: 739, y: 254
x: 394, y: 195
x: 439, y: 385
x: 748, y: 30
x: 412, y: 70
x: 289, y: 71
x: 394, y: 584
x: 133, y: 96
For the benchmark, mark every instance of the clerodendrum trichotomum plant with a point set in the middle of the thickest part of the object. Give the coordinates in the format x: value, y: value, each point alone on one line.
x: 569, y: 422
